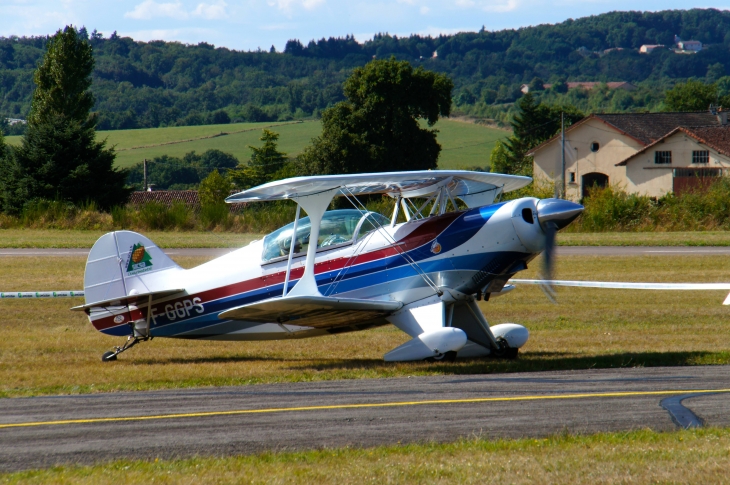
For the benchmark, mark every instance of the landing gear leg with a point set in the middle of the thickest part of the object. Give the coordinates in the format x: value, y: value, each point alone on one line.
x: 131, y: 342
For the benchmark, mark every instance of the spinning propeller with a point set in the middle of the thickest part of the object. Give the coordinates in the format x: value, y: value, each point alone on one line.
x: 553, y: 215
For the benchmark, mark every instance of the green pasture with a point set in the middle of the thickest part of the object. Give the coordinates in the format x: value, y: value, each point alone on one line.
x: 464, y: 144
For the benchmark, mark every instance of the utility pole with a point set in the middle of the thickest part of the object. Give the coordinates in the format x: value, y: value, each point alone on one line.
x: 562, y: 153
x: 144, y: 164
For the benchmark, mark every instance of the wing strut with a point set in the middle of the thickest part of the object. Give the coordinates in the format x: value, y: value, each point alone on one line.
x: 291, y: 249
x: 315, y: 205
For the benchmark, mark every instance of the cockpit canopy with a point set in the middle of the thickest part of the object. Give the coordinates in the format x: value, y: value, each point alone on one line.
x: 339, y: 228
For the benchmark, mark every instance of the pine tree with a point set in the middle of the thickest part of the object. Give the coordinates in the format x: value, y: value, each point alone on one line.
x: 59, y: 158
x: 265, y: 162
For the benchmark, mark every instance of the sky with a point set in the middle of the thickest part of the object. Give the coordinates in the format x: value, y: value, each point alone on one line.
x: 253, y: 24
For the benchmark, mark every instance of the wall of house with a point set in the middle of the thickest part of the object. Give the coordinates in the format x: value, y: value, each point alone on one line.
x: 614, y: 147
x: 648, y: 178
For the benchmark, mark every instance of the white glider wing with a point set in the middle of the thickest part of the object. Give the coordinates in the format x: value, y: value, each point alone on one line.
x: 619, y: 285
x: 474, y: 188
x: 312, y: 311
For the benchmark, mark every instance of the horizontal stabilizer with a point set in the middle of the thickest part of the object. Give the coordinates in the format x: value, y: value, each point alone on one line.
x: 123, y: 300
x: 312, y: 311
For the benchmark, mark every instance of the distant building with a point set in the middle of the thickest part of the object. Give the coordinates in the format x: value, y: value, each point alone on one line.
x: 15, y: 121
x: 645, y: 153
x: 690, y: 45
x: 648, y: 49
x: 587, y: 85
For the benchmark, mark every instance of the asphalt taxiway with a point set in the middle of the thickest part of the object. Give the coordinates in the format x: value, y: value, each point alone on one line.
x: 44, y: 431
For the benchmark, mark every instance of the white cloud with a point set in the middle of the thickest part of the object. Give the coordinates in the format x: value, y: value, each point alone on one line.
x: 501, y: 7
x: 310, y: 4
x: 150, y: 9
x: 465, y: 3
x: 288, y: 5
x: 424, y: 10
x: 211, y: 11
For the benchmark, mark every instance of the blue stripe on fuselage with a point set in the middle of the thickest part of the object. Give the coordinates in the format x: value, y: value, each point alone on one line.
x: 349, y: 279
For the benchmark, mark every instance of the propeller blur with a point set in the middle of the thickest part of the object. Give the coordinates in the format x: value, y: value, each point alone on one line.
x: 342, y: 270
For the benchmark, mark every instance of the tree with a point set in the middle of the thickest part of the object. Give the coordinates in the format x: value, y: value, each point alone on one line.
x: 377, y: 129
x: 59, y: 157
x: 498, y: 159
x: 690, y: 96
x: 214, y: 189
x: 535, y: 123
x: 265, y: 161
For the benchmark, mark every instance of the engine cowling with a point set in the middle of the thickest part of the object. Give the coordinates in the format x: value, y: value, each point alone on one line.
x: 428, y: 344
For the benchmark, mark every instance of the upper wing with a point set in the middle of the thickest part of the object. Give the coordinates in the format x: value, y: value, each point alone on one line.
x: 474, y: 188
x: 312, y: 311
x: 631, y: 286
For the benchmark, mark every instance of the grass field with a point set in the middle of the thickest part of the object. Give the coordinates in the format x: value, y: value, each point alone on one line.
x: 45, y: 349
x: 686, y: 457
x: 464, y: 144
x: 56, y: 238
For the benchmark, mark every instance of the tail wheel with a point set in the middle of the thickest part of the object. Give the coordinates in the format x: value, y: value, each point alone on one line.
x: 109, y: 356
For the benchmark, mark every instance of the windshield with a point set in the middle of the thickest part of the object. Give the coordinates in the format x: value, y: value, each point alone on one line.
x: 338, y: 227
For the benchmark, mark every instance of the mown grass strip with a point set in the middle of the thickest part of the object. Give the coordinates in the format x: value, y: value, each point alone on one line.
x: 695, y: 456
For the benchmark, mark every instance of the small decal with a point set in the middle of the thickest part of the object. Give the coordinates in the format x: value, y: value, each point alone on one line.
x: 435, y: 247
x: 119, y: 319
x: 139, y: 260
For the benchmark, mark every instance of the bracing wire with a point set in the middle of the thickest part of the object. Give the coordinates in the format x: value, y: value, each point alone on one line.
x: 395, y: 245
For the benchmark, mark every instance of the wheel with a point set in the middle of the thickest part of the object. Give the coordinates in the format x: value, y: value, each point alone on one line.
x: 108, y: 356
x: 447, y: 357
x: 507, y: 353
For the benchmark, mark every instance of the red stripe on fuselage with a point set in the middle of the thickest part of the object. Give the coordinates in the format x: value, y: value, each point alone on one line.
x: 426, y: 232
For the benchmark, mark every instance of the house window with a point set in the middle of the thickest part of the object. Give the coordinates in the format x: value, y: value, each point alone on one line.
x: 595, y: 146
x: 701, y: 156
x: 662, y: 157
x: 572, y: 177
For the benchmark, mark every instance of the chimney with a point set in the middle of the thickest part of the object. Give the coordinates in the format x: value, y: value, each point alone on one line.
x: 722, y: 117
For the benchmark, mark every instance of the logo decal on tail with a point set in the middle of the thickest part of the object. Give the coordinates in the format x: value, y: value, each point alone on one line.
x: 139, y: 260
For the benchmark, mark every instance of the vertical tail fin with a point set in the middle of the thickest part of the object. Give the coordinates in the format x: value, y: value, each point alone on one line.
x: 122, y: 263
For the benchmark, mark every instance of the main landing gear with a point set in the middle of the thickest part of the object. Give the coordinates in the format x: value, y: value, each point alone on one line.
x: 131, y: 342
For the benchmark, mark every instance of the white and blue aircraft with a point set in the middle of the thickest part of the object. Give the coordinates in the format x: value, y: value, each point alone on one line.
x: 341, y: 270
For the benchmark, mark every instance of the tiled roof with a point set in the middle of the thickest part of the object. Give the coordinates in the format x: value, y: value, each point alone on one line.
x: 591, y: 84
x: 167, y: 197
x: 649, y: 127
x: 646, y: 128
x: 715, y: 137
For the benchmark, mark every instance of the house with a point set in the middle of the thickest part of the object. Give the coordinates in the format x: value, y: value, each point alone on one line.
x: 600, y: 147
x: 587, y: 85
x: 684, y: 158
x: 689, y: 45
x: 648, y: 48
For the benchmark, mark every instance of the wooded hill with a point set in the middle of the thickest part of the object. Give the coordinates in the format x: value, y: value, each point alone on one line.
x: 150, y: 84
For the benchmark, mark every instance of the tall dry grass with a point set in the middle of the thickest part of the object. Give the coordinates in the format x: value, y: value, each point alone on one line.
x: 606, y: 209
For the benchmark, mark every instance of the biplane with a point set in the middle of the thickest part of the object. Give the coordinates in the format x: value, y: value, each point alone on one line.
x: 342, y: 270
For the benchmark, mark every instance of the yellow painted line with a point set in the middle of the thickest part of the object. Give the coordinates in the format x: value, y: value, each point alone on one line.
x: 360, y: 406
